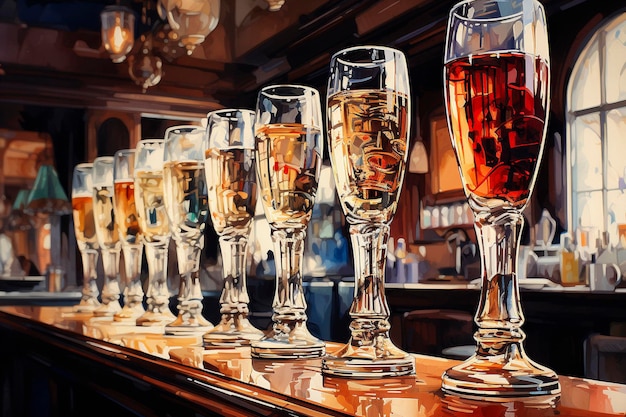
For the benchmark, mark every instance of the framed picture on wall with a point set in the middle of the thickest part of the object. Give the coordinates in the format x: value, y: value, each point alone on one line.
x: 444, y: 181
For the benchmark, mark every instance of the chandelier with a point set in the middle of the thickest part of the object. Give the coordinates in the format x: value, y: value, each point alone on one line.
x: 191, y: 20
x: 180, y: 26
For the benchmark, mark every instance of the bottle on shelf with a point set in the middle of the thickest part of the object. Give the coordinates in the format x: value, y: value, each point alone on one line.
x: 400, y: 255
x: 569, y: 262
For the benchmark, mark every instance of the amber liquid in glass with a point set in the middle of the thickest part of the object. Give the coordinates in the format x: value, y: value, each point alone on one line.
x: 106, y: 228
x: 127, y: 221
x: 185, y: 191
x: 288, y: 161
x: 497, y: 112
x: 84, y: 224
x: 150, y: 205
x: 367, y: 132
x: 231, y: 189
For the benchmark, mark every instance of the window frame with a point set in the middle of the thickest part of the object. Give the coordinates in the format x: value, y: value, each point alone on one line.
x: 598, y: 34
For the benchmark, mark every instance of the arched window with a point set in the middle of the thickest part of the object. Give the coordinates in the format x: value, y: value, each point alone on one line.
x: 596, y: 128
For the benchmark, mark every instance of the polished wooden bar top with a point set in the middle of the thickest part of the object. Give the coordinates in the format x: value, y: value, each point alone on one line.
x: 229, y: 382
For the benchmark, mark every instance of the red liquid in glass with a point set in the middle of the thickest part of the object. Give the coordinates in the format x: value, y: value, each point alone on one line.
x: 497, y: 113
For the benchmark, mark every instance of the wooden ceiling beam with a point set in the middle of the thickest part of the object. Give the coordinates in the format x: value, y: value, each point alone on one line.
x: 61, y: 68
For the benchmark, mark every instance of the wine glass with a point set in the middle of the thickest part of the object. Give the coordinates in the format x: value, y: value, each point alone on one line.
x: 155, y: 230
x: 289, y: 146
x: 108, y: 237
x: 85, y: 231
x: 497, y: 93
x: 231, y: 184
x: 130, y: 235
x: 368, y: 117
x: 187, y: 211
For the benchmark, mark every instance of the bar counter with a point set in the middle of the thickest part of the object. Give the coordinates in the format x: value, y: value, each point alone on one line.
x: 93, y: 365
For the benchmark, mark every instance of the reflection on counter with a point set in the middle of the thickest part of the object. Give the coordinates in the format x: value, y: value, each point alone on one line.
x: 234, y: 372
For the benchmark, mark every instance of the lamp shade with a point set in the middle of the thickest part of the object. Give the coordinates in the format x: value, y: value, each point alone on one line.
x: 275, y: 5
x: 192, y: 20
x: 418, y: 160
x: 47, y: 195
x: 21, y: 200
x: 118, y: 31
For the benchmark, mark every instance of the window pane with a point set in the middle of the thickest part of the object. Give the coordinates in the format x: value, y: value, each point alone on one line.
x: 616, y: 62
x: 587, y: 153
x: 586, y: 80
x: 616, y: 127
x: 616, y: 202
x: 590, y: 210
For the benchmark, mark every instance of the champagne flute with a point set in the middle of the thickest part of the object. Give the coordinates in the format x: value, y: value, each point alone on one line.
x: 155, y: 230
x: 497, y: 94
x: 85, y: 231
x: 368, y: 118
x: 130, y: 235
x: 289, y: 146
x: 231, y: 184
x: 187, y: 209
x: 108, y: 237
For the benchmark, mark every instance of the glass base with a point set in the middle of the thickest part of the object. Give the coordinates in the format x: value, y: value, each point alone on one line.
x: 232, y: 333
x: 87, y: 305
x: 151, y: 318
x: 542, y: 405
x: 506, y: 375
x: 108, y: 310
x: 129, y: 313
x: 299, y: 343
x: 271, y: 348
x: 374, y: 361
x: 184, y: 326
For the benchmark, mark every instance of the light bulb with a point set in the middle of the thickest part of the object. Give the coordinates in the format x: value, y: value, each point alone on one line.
x: 117, y: 31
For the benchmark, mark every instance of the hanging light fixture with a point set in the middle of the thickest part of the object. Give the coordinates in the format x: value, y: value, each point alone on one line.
x: 145, y: 68
x: 192, y: 20
x: 418, y: 160
x: 275, y: 5
x: 118, y: 31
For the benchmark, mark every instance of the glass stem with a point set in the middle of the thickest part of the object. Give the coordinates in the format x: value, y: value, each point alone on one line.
x: 111, y: 286
x: 499, y: 315
x: 90, y: 287
x: 234, y: 299
x: 133, y: 294
x: 369, y: 310
x: 158, y: 296
x: 289, y: 304
x: 190, y: 291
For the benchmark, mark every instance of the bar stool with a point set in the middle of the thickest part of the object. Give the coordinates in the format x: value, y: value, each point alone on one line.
x: 605, y: 358
x: 319, y: 297
x: 439, y: 332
